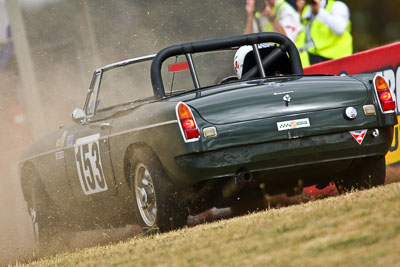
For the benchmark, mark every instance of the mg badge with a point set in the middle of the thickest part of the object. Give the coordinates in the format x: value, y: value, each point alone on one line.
x: 287, y: 99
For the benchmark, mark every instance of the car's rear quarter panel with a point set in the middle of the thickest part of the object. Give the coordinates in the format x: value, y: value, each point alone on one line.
x: 153, y: 125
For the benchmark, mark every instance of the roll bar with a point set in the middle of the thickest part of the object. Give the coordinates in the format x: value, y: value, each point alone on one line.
x: 285, y: 45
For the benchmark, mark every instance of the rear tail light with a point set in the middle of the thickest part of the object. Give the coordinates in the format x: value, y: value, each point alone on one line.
x: 187, y: 123
x: 384, y: 95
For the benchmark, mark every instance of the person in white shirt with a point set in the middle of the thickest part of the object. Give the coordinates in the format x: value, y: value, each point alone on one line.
x: 278, y: 16
x: 327, y: 31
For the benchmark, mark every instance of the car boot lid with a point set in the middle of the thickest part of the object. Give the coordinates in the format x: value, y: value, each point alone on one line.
x: 277, y: 97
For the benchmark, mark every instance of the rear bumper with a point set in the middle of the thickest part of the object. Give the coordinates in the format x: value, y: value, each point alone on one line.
x: 285, y: 154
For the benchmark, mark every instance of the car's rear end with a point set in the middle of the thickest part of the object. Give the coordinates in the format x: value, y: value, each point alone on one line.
x: 284, y: 124
x: 274, y: 123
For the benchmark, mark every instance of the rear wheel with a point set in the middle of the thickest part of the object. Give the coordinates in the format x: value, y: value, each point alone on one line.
x: 158, y: 203
x: 367, y: 173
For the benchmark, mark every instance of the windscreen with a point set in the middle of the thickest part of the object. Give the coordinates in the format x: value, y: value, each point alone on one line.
x: 125, y: 84
x: 132, y: 82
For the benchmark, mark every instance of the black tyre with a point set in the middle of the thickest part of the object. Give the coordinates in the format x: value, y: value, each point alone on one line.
x: 366, y: 173
x: 41, y: 211
x: 158, y: 203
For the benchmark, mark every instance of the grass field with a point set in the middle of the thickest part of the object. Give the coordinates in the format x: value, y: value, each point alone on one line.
x: 360, y: 228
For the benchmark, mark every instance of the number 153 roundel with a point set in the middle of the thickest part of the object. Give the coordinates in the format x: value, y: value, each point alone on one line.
x: 88, y: 164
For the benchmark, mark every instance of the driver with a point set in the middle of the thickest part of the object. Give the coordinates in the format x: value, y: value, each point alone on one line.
x: 243, y: 59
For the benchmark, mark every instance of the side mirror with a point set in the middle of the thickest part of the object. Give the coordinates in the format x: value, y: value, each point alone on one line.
x: 78, y: 115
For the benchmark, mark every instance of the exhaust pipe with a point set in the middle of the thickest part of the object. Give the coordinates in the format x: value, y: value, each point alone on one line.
x: 236, y: 184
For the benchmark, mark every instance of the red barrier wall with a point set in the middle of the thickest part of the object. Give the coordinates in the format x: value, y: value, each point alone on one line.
x: 367, y: 61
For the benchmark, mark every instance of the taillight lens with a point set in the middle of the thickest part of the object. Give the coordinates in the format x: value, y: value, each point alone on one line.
x: 384, y: 95
x: 187, y: 123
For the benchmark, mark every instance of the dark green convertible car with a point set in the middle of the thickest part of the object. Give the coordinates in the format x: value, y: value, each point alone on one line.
x: 213, y: 123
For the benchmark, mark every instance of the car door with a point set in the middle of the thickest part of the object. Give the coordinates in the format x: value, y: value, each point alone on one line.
x: 87, y: 154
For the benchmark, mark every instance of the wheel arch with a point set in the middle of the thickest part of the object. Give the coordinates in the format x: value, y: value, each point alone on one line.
x: 29, y: 176
x: 30, y: 179
x: 129, y: 152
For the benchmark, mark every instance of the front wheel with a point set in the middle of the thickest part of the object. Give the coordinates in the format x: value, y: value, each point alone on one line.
x: 367, y: 173
x: 158, y: 203
x: 44, y: 222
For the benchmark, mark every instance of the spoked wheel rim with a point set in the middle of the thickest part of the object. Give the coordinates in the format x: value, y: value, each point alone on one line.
x: 145, y: 195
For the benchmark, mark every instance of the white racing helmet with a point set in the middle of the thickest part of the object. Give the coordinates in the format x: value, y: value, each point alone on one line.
x: 240, y: 56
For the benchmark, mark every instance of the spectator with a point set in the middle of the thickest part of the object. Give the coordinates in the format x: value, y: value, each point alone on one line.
x: 326, y: 33
x: 278, y: 16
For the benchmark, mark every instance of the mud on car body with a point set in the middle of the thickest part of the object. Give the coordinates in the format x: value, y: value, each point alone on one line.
x: 172, y: 134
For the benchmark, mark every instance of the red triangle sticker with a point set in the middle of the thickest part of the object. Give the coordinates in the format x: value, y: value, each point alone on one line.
x: 359, y: 135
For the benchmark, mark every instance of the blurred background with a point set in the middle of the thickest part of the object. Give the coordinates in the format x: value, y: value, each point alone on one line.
x: 49, y: 49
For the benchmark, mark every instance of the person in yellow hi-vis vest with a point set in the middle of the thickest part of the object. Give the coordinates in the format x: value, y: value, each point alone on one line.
x: 278, y: 16
x: 326, y: 31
